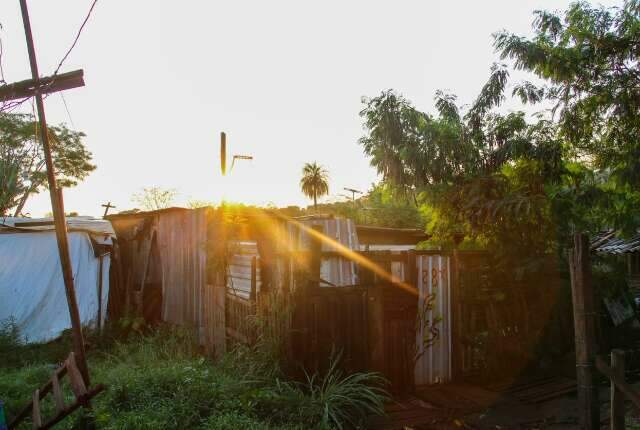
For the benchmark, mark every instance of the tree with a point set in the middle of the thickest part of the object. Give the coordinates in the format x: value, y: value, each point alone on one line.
x: 22, y: 164
x: 482, y: 174
x: 154, y: 198
x: 314, y: 182
x: 588, y: 60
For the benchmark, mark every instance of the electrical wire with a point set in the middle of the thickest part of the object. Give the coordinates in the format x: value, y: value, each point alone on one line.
x: 2, y: 81
x: 67, y: 109
x: 75, y: 41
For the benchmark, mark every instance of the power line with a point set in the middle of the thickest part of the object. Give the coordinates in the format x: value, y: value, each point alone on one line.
x: 2, y: 81
x: 75, y: 41
x: 67, y: 109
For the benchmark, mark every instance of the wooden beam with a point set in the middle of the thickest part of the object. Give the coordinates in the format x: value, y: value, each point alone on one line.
x: 46, y: 85
x: 36, y: 416
x: 254, y: 279
x: 75, y: 378
x: 75, y: 405
x: 617, y: 396
x: 57, y: 393
x: 622, y: 385
x: 584, y: 316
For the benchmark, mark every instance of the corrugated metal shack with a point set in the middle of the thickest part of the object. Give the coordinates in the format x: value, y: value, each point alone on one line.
x: 196, y: 268
x: 164, y: 269
x: 610, y: 242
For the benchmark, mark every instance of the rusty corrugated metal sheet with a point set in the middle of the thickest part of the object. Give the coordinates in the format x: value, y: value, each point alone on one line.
x: 434, y: 365
x: 337, y: 270
x: 182, y: 242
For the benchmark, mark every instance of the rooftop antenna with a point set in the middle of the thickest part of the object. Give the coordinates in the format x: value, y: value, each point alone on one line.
x: 353, y: 193
x: 223, y: 155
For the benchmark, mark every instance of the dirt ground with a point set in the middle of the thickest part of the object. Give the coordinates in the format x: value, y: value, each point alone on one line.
x: 505, y: 413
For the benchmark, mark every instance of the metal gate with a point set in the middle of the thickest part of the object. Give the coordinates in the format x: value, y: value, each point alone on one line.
x: 433, y: 328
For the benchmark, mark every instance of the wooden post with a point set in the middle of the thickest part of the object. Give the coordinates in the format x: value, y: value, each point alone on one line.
x: 584, y: 317
x: 56, y: 205
x: 617, y: 396
x: 254, y: 280
x: 315, y: 260
x: 375, y: 315
x: 100, y: 273
x: 457, y: 349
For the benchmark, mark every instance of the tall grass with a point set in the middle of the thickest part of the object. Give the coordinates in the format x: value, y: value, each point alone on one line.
x: 159, y: 380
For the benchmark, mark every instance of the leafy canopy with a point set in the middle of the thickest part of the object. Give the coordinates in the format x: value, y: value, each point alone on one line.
x: 22, y: 163
x: 588, y: 60
x: 314, y: 182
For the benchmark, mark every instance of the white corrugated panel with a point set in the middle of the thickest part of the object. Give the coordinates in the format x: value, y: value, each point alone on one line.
x: 337, y: 270
x: 434, y: 365
x: 239, y: 275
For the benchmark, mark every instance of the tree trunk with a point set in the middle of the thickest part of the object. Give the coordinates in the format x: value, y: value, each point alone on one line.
x: 315, y: 203
x: 23, y: 200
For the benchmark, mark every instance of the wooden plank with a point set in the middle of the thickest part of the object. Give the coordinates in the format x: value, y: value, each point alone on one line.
x: 35, y: 416
x: 75, y: 405
x: 617, y: 396
x: 219, y: 319
x: 57, y: 393
x: 75, y: 378
x: 584, y: 315
x: 254, y: 280
x: 620, y: 383
x: 46, y: 85
x: 24, y: 412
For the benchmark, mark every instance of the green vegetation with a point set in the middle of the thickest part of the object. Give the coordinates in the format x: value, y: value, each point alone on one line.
x: 22, y: 164
x: 159, y: 380
x: 314, y: 182
x: 496, y: 178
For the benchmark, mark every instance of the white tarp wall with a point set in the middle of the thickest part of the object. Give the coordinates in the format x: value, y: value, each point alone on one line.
x: 32, y: 289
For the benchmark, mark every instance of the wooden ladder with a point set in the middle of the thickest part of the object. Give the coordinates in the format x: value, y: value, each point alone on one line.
x: 82, y: 396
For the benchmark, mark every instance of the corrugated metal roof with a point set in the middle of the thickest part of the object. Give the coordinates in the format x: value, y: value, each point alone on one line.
x: 609, y: 243
x: 86, y: 223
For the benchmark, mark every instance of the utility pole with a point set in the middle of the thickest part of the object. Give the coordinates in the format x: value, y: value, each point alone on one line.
x: 36, y: 87
x: 353, y: 193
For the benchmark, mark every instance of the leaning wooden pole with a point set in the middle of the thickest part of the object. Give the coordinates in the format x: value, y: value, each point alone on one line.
x: 584, y: 316
x: 56, y: 205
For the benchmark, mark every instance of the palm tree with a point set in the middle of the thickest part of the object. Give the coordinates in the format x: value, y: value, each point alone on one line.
x: 314, y: 182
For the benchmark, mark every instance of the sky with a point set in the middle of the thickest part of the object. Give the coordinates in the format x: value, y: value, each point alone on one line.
x: 283, y: 79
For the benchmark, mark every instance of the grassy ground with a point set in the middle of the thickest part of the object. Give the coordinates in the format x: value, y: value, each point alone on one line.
x: 159, y: 381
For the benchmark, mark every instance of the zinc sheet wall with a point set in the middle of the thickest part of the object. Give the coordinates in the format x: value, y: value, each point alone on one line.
x: 337, y: 270
x: 434, y: 365
x: 182, y: 242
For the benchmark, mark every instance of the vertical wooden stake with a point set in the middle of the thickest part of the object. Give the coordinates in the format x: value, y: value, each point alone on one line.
x: 617, y: 396
x: 584, y: 316
x: 315, y: 260
x: 254, y: 281
x: 457, y: 349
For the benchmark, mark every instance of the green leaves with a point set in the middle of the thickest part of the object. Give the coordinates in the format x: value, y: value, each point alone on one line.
x: 314, y: 182
x: 589, y: 57
x: 22, y: 164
